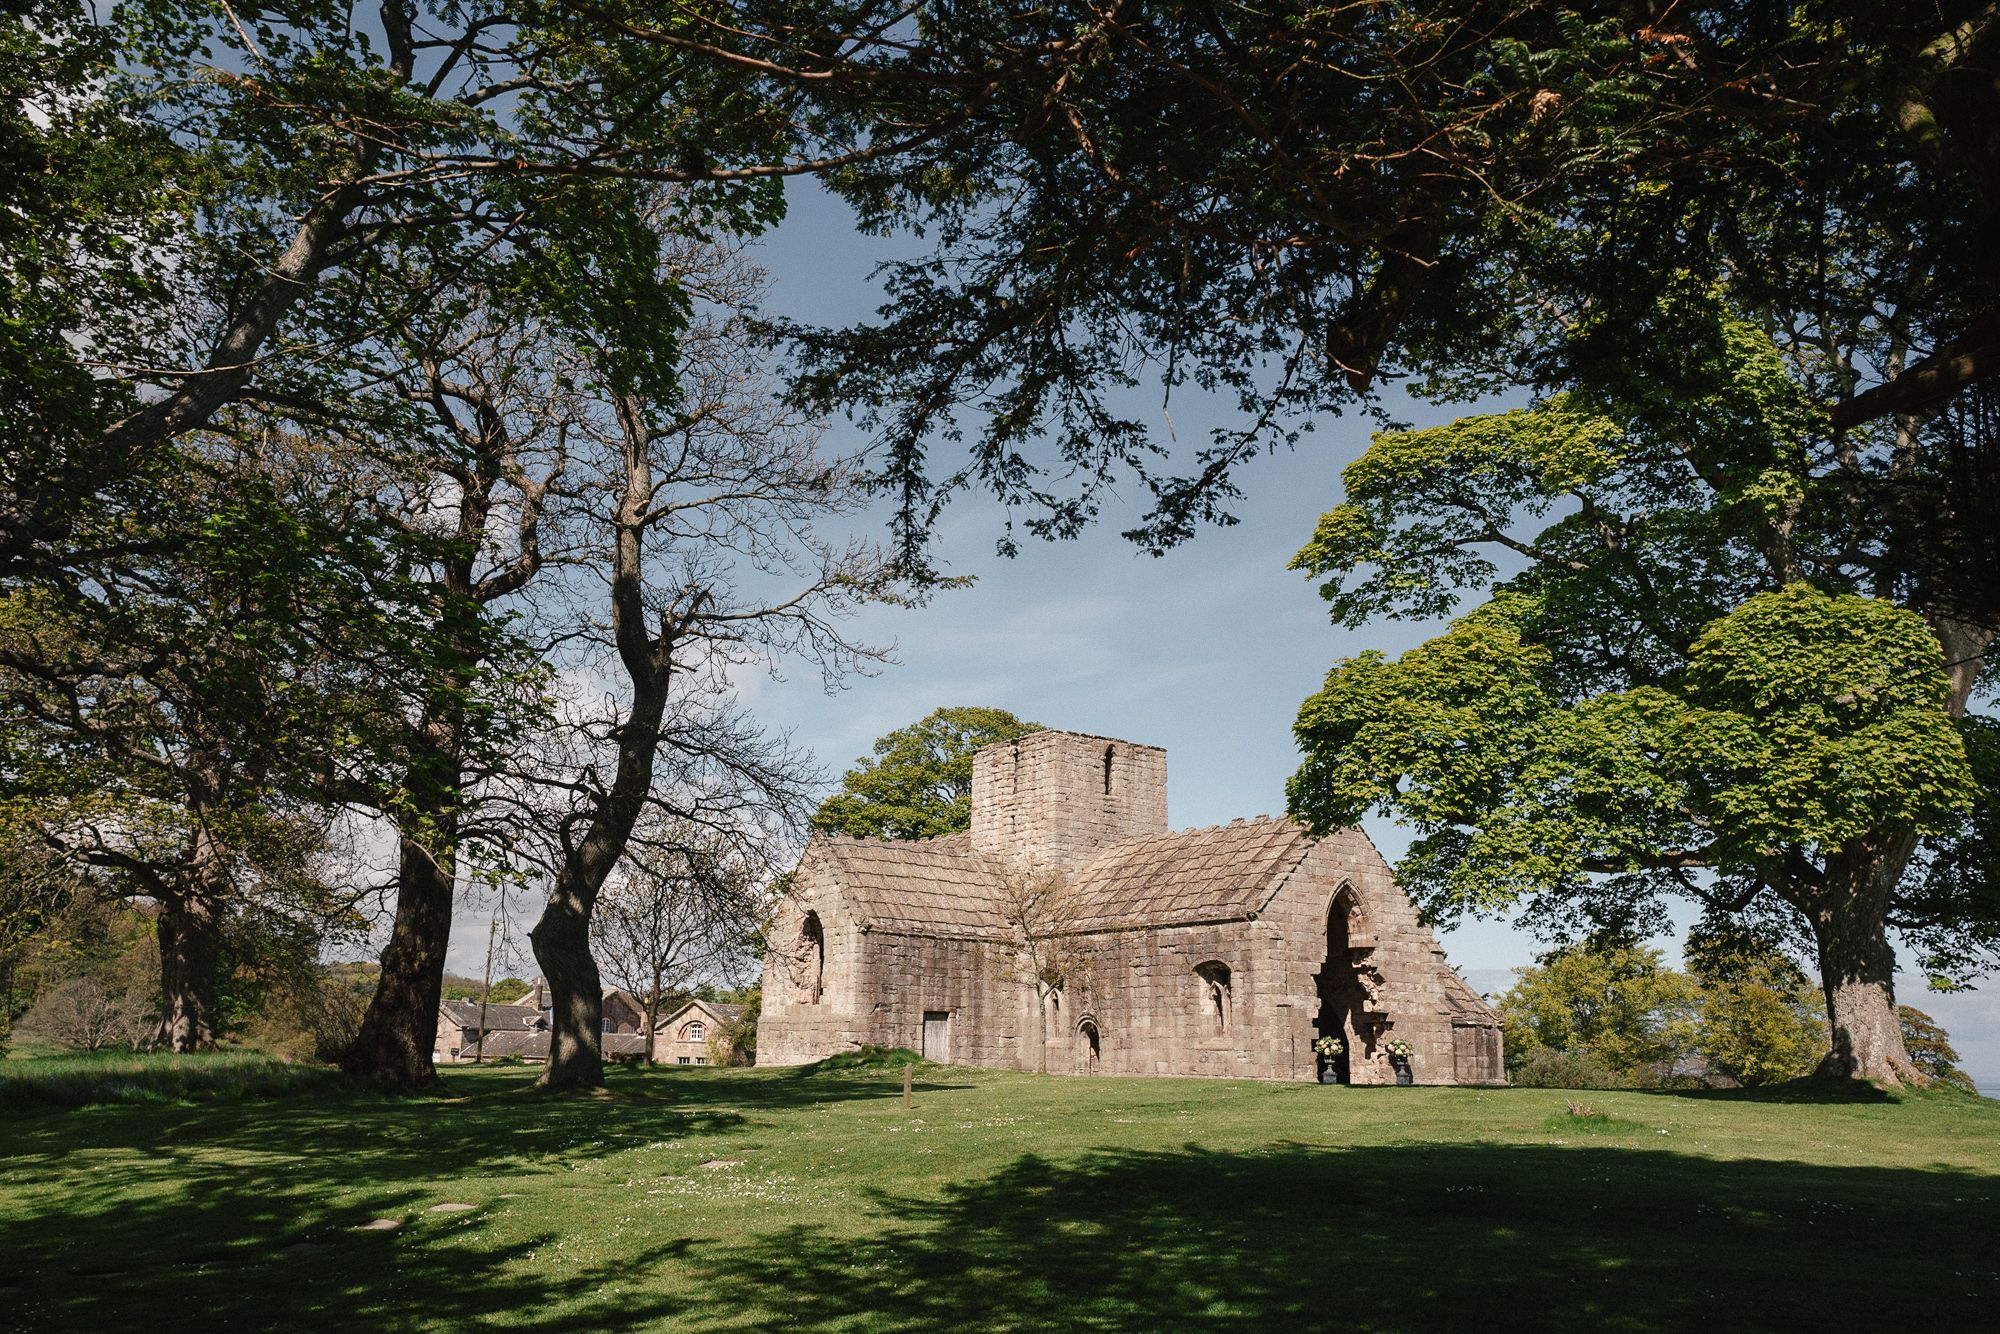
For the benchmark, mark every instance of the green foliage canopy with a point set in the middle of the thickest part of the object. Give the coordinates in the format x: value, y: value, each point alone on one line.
x: 1616, y: 1003
x: 918, y: 783
x: 1930, y: 1048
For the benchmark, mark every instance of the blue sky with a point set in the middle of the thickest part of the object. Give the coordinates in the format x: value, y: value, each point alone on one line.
x: 1206, y: 651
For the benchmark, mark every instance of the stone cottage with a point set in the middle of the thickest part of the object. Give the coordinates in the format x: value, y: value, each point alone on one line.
x: 696, y: 1033
x: 1222, y: 951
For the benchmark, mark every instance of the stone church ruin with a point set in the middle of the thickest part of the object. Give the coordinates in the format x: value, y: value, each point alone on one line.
x: 1069, y: 930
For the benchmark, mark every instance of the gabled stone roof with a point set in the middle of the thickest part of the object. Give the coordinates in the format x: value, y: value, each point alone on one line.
x: 1465, y: 1004
x: 1220, y: 873
x: 499, y: 1018
x: 725, y: 1013
x: 941, y: 886
x: 936, y: 886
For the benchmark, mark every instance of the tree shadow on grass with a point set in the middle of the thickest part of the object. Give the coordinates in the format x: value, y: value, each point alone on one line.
x: 1460, y: 1237
x: 247, y: 1213
x: 1795, y: 1092
x: 787, y: 1088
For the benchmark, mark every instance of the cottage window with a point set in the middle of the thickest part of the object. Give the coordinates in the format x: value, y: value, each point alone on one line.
x: 687, y: 1060
x: 1215, y: 995
x: 695, y: 1031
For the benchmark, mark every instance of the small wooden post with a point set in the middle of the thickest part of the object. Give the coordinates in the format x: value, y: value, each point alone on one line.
x: 908, y: 1066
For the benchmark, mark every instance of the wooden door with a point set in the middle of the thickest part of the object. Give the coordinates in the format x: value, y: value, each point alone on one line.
x: 937, y: 1035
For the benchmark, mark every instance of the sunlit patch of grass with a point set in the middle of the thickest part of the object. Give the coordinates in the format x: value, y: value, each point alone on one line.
x: 1580, y: 1118
x: 98, y: 1078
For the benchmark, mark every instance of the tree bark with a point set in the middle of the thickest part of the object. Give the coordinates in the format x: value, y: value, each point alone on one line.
x: 1857, y: 965
x: 562, y: 937
x: 189, y: 929
x: 398, y: 1034
x: 653, y: 1015
x: 576, y: 1019
x: 1042, y: 1028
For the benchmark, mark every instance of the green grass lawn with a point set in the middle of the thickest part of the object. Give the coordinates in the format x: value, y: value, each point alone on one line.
x: 760, y: 1199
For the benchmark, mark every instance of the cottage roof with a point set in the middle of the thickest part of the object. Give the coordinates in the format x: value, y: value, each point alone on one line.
x: 628, y: 998
x: 1466, y: 1005
x: 499, y: 1018
x: 533, y: 1046
x: 716, y: 1010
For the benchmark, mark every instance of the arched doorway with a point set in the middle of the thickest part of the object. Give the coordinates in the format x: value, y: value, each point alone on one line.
x: 1341, y: 995
x: 1089, y: 1047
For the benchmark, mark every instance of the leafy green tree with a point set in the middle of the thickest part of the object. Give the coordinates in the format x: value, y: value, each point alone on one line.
x: 1712, y: 670
x: 918, y: 783
x: 168, y: 742
x: 1304, y: 232
x: 1618, y: 1004
x: 508, y: 990
x: 1761, y: 1019
x: 1931, y: 1050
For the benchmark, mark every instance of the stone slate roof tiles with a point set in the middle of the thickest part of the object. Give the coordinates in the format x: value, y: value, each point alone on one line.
x: 1465, y: 1004
x: 499, y: 1018
x: 937, y: 886
x: 941, y: 886
x: 1220, y: 873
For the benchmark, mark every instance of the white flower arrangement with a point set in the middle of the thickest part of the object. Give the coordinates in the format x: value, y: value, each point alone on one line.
x: 1329, y: 1046
x: 1398, y: 1049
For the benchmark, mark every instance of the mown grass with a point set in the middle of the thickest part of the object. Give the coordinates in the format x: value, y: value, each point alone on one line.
x: 711, y: 1200
x: 47, y: 1080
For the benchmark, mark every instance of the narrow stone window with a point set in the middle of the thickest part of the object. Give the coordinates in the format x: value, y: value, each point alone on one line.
x: 813, y: 949
x: 1215, y: 995
x: 1089, y: 1047
x: 1108, y: 751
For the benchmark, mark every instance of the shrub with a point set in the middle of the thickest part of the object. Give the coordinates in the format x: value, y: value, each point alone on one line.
x: 1549, y: 1068
x: 86, y: 1015
x: 1617, y: 1003
x: 735, y: 1041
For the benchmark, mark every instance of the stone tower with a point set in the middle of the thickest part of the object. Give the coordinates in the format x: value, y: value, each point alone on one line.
x: 1055, y: 798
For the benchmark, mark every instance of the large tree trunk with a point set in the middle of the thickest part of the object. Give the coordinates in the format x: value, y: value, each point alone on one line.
x: 576, y: 1020
x: 398, y: 1034
x: 1857, y: 965
x: 562, y: 937
x: 189, y: 928
x: 653, y: 1016
x: 1849, y: 915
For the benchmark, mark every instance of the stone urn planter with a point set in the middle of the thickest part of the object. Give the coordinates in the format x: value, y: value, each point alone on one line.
x: 1403, y: 1073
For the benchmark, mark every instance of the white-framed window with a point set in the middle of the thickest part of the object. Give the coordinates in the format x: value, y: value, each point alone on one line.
x: 695, y: 1031
x: 687, y: 1060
